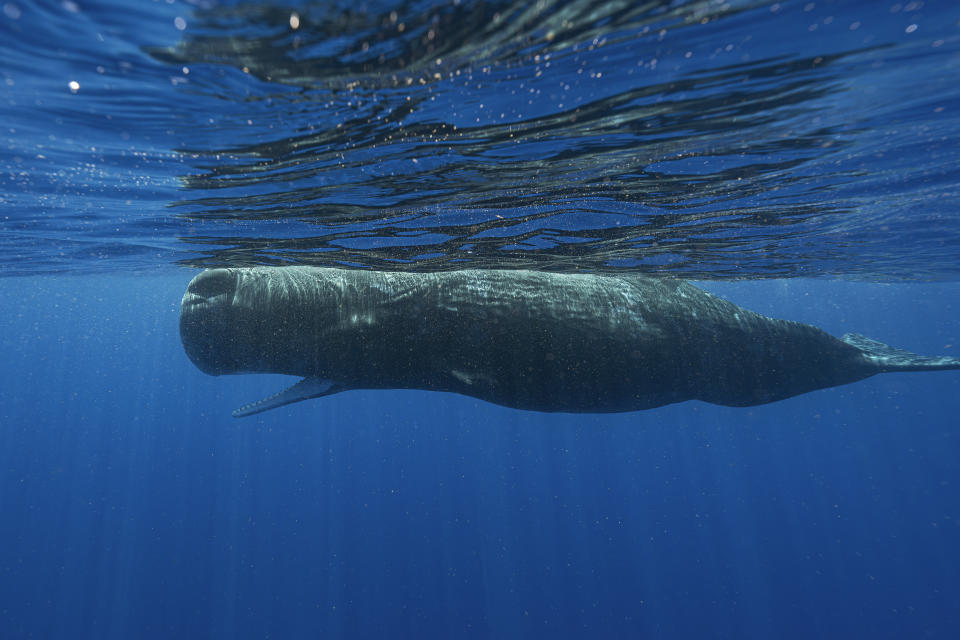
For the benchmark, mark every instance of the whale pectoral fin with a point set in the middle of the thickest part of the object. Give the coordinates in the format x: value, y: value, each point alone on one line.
x: 303, y: 390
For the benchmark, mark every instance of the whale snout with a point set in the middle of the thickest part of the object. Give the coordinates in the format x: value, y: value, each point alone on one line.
x: 211, y: 287
x: 206, y: 320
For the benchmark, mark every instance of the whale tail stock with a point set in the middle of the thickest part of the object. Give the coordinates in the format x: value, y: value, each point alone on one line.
x: 888, y: 358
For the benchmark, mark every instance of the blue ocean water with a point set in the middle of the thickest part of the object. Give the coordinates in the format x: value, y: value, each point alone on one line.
x: 799, y: 158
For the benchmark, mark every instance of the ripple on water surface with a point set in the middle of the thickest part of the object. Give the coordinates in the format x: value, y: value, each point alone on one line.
x: 712, y: 140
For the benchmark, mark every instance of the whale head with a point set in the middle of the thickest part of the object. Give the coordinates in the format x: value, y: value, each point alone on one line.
x: 261, y: 320
x: 214, y: 329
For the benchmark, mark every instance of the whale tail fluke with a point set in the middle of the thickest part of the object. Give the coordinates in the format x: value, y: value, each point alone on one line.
x: 889, y: 358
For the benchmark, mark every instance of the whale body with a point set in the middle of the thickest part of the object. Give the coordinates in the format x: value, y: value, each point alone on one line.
x: 523, y: 339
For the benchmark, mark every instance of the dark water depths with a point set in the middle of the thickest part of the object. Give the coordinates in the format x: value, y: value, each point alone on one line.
x: 710, y: 139
x: 134, y: 506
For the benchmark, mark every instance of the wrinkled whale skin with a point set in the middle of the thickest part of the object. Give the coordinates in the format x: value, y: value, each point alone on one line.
x: 523, y: 339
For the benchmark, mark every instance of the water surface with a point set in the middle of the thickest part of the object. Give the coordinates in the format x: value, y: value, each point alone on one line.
x: 708, y: 139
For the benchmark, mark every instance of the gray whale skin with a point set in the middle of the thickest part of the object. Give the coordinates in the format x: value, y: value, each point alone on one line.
x: 522, y: 339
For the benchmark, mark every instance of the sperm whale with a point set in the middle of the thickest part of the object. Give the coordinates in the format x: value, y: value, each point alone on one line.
x: 524, y: 339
